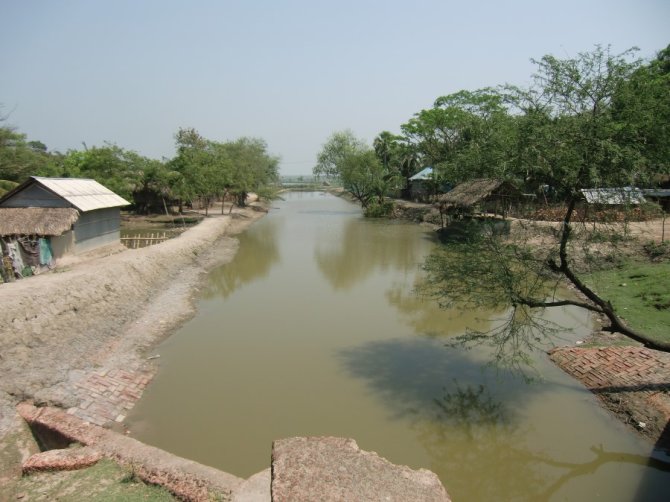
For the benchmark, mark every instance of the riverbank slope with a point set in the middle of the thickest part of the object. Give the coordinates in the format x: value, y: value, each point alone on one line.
x: 101, y: 316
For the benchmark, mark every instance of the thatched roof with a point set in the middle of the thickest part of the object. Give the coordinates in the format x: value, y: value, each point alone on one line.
x: 471, y: 192
x: 36, y: 220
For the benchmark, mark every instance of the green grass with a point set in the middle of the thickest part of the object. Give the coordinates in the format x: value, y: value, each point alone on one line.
x: 103, y: 482
x: 640, y: 293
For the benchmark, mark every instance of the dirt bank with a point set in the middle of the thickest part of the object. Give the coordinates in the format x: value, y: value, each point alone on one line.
x: 102, y: 312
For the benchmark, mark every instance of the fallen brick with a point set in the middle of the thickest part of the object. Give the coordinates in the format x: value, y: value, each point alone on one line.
x: 69, y: 459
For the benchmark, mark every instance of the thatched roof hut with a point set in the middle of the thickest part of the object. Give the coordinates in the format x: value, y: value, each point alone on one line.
x: 44, y: 221
x: 473, y: 192
x: 485, y: 194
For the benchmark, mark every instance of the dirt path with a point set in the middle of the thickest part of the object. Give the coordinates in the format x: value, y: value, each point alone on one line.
x: 78, y: 337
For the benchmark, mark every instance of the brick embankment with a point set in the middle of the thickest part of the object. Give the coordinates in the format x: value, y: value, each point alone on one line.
x: 108, y: 395
x: 633, y: 382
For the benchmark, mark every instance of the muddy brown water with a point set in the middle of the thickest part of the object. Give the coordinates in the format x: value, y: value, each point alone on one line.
x: 313, y: 329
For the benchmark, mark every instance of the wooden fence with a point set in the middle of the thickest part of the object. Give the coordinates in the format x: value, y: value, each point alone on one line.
x: 141, y: 241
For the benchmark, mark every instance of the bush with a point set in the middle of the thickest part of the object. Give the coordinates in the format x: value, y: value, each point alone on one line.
x: 379, y: 210
x: 6, y: 186
x: 657, y: 251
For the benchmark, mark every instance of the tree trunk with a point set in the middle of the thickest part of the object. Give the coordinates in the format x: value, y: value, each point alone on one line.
x: 604, y: 307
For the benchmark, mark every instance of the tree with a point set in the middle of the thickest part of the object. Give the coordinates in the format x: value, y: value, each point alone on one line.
x: 574, y: 143
x: 398, y: 157
x: 362, y: 174
x: 206, y: 169
x: 386, y: 146
x: 641, y: 110
x: 465, y: 135
x: 338, y: 146
x: 19, y: 158
x: 222, y: 172
x: 433, y: 134
x: 580, y: 148
x: 152, y: 188
x: 190, y: 165
x: 359, y: 169
x: 254, y: 170
x: 410, y: 164
x: 118, y: 169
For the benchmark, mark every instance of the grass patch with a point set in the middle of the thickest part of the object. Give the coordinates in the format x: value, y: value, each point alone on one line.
x: 104, y: 482
x: 640, y: 293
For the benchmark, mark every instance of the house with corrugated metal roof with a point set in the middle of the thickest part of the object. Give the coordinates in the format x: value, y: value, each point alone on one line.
x: 67, y: 215
x: 424, y: 185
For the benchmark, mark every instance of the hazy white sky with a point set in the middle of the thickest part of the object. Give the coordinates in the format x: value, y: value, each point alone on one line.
x: 132, y: 72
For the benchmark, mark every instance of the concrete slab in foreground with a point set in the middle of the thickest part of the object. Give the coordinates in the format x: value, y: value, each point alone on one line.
x: 303, y: 468
x: 255, y: 489
x: 335, y: 469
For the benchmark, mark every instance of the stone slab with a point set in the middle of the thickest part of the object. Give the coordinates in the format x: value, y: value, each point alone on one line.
x: 255, y: 489
x: 336, y: 469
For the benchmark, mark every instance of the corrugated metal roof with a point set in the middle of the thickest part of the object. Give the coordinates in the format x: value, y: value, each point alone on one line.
x: 656, y: 192
x: 84, y: 194
x: 613, y: 196
x: 425, y: 174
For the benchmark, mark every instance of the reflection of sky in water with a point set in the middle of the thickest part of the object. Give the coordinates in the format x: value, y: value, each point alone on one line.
x: 313, y: 329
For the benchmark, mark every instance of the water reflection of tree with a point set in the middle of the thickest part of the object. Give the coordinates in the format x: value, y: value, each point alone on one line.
x: 468, y: 427
x: 257, y: 254
x: 470, y: 437
x: 464, y: 425
x: 479, y: 425
x: 348, y: 257
x: 427, y: 318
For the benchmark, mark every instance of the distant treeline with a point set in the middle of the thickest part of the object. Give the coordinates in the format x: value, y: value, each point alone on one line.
x: 596, y: 120
x: 202, y: 169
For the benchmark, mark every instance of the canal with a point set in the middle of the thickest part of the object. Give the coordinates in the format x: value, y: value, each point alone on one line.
x: 314, y: 329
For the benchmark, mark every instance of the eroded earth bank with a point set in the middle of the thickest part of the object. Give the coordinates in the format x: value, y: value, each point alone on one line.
x: 62, y: 330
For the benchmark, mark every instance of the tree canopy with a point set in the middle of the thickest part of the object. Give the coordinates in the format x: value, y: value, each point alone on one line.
x: 358, y: 167
x: 201, y: 169
x: 610, y: 111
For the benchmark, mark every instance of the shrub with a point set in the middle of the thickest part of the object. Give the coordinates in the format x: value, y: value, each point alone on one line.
x: 657, y: 251
x: 379, y: 210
